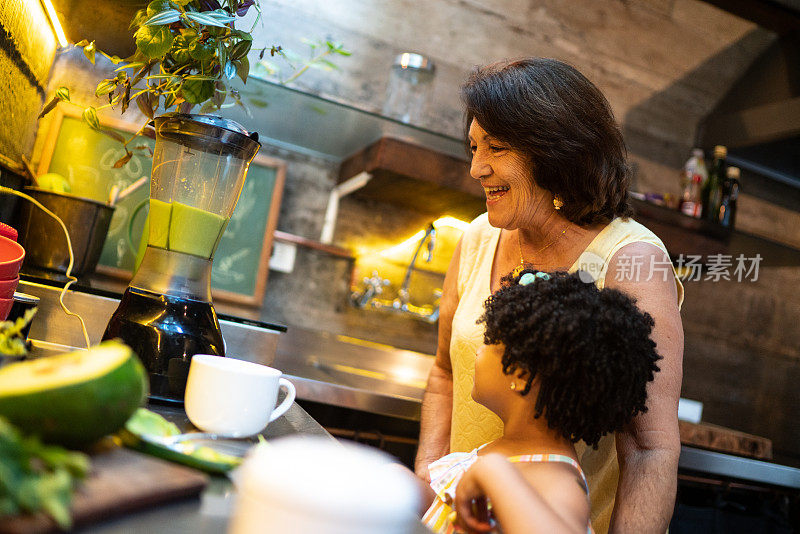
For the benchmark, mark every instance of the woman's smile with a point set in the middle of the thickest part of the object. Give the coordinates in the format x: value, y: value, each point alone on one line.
x: 495, y: 192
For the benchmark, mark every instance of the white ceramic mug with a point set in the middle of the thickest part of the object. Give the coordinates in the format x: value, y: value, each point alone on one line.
x: 234, y: 397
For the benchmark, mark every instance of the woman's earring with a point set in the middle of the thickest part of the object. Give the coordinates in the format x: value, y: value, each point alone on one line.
x: 557, y: 203
x: 513, y: 386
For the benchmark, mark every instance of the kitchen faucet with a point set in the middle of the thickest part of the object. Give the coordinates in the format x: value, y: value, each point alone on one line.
x: 401, y: 304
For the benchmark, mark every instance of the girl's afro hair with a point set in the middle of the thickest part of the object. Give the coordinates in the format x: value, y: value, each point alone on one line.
x: 589, y: 349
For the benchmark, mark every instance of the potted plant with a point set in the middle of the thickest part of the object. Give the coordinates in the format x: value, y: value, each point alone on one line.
x: 187, y: 54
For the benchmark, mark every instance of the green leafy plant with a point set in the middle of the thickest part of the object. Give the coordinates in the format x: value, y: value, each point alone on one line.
x: 187, y: 54
x: 36, y: 477
x: 12, y: 342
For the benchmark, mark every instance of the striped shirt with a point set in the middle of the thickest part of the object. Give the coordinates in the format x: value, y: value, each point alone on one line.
x: 446, y: 472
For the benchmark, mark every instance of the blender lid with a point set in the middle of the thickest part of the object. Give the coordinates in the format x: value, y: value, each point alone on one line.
x: 209, y: 133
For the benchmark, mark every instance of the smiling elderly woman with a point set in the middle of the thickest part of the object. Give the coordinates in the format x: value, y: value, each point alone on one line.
x: 550, y: 156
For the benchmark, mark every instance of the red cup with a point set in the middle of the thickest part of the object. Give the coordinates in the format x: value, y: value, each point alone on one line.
x: 7, y: 288
x: 11, y: 256
x: 5, y: 307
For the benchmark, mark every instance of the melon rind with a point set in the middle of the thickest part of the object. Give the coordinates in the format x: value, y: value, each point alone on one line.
x: 82, y: 412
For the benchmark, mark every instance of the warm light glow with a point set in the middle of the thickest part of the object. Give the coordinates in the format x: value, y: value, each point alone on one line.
x: 441, y: 222
x: 54, y: 22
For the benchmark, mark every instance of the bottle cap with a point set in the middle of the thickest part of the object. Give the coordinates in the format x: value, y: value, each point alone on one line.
x: 720, y: 151
x: 734, y: 172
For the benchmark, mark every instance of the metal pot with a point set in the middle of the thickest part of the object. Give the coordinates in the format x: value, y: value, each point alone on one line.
x: 87, y: 222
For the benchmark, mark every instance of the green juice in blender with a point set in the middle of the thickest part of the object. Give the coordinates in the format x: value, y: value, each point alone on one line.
x: 182, y: 228
x: 166, y: 314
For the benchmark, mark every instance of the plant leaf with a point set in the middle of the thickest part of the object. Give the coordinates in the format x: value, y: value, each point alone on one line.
x: 89, y: 52
x: 124, y: 159
x: 126, y: 100
x: 82, y: 42
x: 90, y: 117
x: 240, y: 49
x: 105, y: 87
x: 243, y: 68
x: 230, y: 70
x: 197, y: 91
x: 206, y: 19
x: 62, y: 93
x: 157, y: 6
x: 50, y: 106
x: 154, y: 41
x: 165, y: 17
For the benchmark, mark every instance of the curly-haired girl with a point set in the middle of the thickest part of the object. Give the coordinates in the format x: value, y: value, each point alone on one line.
x: 556, y: 368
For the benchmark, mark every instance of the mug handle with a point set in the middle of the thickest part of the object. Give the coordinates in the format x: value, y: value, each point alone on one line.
x: 287, y: 402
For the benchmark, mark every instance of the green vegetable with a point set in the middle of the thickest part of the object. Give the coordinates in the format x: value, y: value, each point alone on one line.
x: 143, y: 429
x: 11, y: 340
x: 75, y: 398
x: 37, y: 478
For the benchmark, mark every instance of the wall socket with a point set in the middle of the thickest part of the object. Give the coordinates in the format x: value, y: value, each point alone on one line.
x: 283, y: 255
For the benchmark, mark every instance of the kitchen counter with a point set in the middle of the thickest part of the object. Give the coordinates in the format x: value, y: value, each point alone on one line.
x: 211, y: 512
x: 362, y: 375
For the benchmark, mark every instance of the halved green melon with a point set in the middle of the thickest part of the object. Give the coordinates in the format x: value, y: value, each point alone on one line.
x: 75, y: 398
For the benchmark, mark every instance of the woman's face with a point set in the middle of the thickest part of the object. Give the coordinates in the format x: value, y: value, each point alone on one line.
x: 512, y: 198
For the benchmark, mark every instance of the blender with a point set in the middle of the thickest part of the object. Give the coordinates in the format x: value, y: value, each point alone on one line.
x: 166, y: 315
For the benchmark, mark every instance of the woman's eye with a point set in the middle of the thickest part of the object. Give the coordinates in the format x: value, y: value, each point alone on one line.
x: 495, y: 148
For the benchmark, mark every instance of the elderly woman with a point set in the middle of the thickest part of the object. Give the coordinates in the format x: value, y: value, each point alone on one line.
x: 551, y: 159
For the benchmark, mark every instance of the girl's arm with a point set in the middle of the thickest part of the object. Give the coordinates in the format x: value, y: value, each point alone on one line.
x: 526, y: 498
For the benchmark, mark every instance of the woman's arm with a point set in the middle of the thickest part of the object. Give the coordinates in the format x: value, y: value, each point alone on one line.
x: 437, y: 404
x: 526, y: 498
x: 649, y: 448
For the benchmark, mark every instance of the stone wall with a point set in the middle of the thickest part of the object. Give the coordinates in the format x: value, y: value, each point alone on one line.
x: 663, y: 64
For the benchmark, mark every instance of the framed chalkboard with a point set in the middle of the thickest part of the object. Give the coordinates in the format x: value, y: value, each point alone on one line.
x: 86, y: 158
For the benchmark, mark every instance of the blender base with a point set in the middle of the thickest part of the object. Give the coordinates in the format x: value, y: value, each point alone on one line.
x: 165, y: 332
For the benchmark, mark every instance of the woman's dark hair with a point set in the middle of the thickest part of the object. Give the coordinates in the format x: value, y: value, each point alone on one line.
x: 563, y: 124
x: 589, y: 349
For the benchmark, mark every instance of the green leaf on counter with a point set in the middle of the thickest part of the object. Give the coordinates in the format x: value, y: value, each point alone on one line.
x: 11, y: 341
x: 146, y: 423
x: 143, y: 430
x: 36, y: 477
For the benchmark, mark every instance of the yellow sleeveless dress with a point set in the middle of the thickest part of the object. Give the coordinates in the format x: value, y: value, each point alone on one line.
x: 472, y: 424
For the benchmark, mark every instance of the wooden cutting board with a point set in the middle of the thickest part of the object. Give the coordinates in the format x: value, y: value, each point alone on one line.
x: 723, y: 439
x: 121, y: 481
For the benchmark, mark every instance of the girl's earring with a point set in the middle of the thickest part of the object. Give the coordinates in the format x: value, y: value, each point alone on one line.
x: 557, y: 203
x: 513, y: 386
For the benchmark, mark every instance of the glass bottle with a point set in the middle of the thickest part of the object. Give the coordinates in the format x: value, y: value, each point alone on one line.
x: 712, y: 191
x: 730, y: 192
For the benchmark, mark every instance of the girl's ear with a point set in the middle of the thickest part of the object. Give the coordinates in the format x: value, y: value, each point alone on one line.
x: 522, y: 374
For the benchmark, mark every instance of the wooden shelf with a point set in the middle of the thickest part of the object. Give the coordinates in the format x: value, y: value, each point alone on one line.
x: 417, y: 178
x: 424, y: 180
x: 686, y: 235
